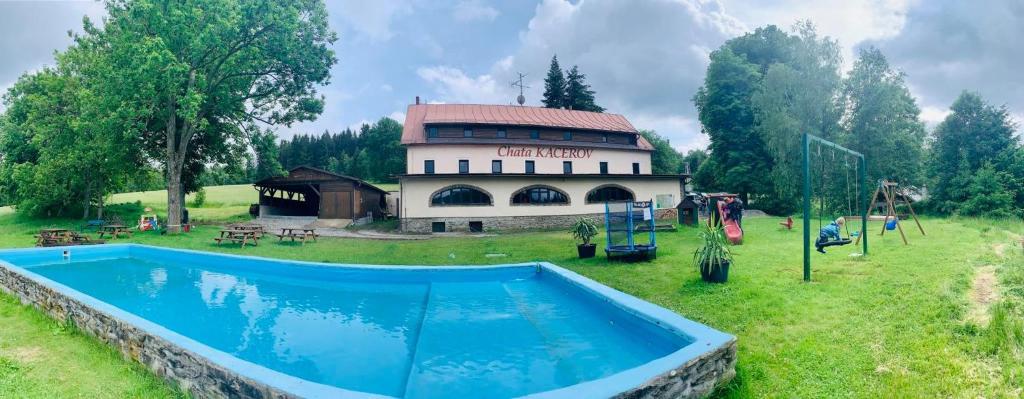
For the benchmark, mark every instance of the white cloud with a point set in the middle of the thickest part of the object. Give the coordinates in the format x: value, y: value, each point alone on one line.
x: 474, y: 10
x: 932, y: 116
x: 848, y: 21
x: 947, y: 47
x: 453, y: 85
x: 398, y: 116
x: 371, y: 19
x: 645, y: 60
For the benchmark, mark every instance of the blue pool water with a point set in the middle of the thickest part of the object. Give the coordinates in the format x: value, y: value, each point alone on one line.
x: 402, y: 332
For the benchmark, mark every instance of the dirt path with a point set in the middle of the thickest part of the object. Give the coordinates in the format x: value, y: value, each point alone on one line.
x: 984, y: 292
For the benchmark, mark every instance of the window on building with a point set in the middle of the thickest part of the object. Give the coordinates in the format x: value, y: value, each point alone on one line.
x: 535, y: 134
x: 636, y: 168
x: 437, y: 227
x: 464, y: 166
x: 529, y: 167
x: 604, y: 138
x: 496, y: 166
x: 539, y: 195
x: 609, y: 194
x: 567, y: 167
x: 467, y: 132
x: 567, y: 136
x: 476, y: 227
x: 428, y: 166
x: 431, y: 132
x: 502, y: 133
x: 604, y: 168
x: 632, y: 139
x: 460, y: 195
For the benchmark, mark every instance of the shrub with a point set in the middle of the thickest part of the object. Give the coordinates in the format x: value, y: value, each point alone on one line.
x: 199, y: 199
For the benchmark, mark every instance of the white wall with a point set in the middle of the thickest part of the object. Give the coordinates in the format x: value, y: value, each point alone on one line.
x: 585, y: 160
x: 416, y: 193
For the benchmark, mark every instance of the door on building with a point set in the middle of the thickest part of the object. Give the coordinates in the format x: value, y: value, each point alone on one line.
x: 336, y: 205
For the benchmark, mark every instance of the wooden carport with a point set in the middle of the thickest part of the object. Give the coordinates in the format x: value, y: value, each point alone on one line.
x: 308, y: 191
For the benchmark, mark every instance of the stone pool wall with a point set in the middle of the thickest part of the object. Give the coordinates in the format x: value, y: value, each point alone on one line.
x: 695, y: 379
x: 192, y: 373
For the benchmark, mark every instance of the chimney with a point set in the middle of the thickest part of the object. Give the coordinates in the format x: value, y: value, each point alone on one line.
x: 417, y: 100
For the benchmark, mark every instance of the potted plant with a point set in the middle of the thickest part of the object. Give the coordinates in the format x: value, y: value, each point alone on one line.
x: 713, y: 258
x: 584, y: 230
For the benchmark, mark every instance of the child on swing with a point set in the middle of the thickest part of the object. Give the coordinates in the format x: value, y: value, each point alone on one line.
x: 829, y: 234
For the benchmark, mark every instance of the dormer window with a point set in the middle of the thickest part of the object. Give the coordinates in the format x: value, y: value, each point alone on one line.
x: 467, y: 132
x: 431, y: 132
x: 502, y: 133
x: 567, y: 136
x: 534, y: 134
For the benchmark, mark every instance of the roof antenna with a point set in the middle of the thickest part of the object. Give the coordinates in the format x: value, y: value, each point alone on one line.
x: 519, y: 83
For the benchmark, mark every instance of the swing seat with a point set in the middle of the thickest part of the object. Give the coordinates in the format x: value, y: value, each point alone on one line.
x: 836, y: 243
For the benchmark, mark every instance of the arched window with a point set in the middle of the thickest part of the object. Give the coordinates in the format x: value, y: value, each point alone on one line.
x: 540, y: 195
x: 609, y: 194
x: 459, y: 195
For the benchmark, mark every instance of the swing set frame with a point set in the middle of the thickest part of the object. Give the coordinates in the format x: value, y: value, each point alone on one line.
x: 861, y: 181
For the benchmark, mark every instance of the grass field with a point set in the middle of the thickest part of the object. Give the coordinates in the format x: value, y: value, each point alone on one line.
x: 903, y: 322
x: 222, y: 202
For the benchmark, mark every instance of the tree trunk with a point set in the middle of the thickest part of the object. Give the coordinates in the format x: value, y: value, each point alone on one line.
x: 88, y: 200
x: 99, y: 208
x: 174, y: 196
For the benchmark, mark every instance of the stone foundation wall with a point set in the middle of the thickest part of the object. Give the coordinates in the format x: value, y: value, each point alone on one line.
x: 198, y: 376
x: 695, y: 379
x: 504, y: 223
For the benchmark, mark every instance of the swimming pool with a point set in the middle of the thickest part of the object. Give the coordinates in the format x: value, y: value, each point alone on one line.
x: 270, y: 327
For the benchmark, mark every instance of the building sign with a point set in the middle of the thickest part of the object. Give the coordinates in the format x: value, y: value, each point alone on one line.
x: 508, y: 151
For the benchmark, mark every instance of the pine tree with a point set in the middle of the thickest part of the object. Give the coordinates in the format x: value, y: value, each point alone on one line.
x: 578, y: 95
x: 554, y: 86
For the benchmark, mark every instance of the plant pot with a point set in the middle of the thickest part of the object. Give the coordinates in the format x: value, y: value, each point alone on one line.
x: 586, y: 250
x: 718, y: 275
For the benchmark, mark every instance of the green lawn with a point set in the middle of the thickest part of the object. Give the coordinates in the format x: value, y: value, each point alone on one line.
x: 893, y: 324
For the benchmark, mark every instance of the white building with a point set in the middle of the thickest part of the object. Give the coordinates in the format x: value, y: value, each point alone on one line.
x: 483, y: 167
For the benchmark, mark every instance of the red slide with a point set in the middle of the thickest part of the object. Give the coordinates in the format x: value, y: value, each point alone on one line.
x: 732, y: 230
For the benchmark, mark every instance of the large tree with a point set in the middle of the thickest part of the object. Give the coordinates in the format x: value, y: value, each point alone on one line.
x: 761, y: 92
x: 62, y: 150
x: 795, y: 97
x: 739, y: 161
x: 554, y: 86
x: 203, y: 74
x: 665, y: 160
x: 975, y: 135
x: 578, y: 94
x: 882, y: 120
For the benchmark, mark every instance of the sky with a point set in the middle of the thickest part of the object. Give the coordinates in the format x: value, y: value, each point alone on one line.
x: 644, y: 58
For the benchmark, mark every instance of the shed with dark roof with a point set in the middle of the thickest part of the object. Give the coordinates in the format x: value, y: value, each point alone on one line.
x: 308, y: 191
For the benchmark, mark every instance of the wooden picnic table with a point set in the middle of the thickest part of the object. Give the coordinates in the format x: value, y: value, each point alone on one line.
x: 290, y: 232
x: 58, y: 237
x: 243, y: 236
x: 115, y: 230
x: 51, y: 237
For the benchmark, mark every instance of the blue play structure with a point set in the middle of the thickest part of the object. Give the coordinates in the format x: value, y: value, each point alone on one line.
x: 622, y: 221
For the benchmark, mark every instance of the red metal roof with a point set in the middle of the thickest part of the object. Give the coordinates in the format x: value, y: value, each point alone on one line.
x: 420, y: 114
